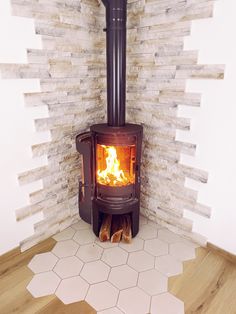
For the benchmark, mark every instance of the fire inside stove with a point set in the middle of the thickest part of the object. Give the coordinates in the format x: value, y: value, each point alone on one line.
x: 115, y: 165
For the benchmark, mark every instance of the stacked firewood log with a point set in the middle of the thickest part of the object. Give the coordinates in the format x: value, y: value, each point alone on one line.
x: 116, y: 228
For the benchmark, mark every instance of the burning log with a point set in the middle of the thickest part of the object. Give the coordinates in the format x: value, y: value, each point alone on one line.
x: 105, y: 230
x: 116, y: 229
x: 127, y: 233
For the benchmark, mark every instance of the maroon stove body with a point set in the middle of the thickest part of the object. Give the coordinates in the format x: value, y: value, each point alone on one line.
x: 115, y: 147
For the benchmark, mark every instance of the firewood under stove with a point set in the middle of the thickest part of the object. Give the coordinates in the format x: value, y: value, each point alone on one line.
x: 116, y: 228
x: 104, y: 234
x: 127, y: 233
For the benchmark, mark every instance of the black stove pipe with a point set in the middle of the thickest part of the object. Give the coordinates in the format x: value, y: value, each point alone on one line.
x: 116, y: 13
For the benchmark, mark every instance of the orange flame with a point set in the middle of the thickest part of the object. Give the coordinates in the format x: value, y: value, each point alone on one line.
x: 112, y: 175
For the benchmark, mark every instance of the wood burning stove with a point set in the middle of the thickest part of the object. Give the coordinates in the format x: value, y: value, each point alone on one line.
x: 112, y: 152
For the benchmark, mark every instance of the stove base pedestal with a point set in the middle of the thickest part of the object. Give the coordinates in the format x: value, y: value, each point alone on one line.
x: 100, y: 208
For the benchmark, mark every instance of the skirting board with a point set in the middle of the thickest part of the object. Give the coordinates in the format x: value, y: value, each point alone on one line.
x: 227, y: 255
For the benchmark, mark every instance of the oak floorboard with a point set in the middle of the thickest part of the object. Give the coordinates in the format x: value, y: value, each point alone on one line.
x: 14, y: 278
x: 57, y: 307
x: 13, y: 260
x: 207, y: 285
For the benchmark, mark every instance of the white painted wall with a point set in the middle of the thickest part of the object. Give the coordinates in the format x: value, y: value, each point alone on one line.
x: 214, y: 126
x: 16, y: 129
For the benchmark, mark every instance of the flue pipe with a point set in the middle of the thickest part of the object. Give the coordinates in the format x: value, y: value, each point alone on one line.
x: 116, y: 14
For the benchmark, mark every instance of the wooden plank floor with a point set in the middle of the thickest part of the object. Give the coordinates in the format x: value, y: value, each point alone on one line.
x: 208, y: 285
x: 15, y: 276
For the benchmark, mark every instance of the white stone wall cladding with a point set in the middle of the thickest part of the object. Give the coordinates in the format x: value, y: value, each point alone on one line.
x: 71, y: 69
x: 158, y: 68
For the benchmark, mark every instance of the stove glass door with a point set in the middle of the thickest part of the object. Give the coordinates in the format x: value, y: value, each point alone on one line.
x: 115, y: 165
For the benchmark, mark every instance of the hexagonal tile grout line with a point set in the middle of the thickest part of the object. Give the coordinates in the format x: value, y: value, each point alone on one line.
x: 153, y: 297
x: 117, y: 296
x: 94, y: 284
x: 43, y: 271
x: 70, y: 276
x: 141, y: 290
x: 139, y: 271
x: 110, y: 265
x: 149, y: 294
x: 106, y: 276
x: 136, y: 281
x: 58, y: 284
x: 127, y: 289
x: 164, y: 259
x: 114, y: 307
x: 66, y: 257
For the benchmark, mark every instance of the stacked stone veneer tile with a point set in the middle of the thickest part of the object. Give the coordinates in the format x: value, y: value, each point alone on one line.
x: 71, y: 69
x: 158, y: 68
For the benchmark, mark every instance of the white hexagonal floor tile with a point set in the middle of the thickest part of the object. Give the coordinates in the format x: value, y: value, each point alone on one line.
x: 65, y: 234
x: 65, y: 248
x: 94, y: 272
x: 89, y: 252
x: 68, y: 267
x: 142, y: 220
x: 72, y: 290
x: 113, y: 310
x: 182, y: 251
x: 123, y: 277
x: 43, y: 262
x: 136, y: 245
x: 190, y: 243
x: 103, y: 293
x: 152, y: 282
x: 156, y: 247
x: 166, y: 303
x: 106, y: 244
x: 154, y: 224
x: 84, y: 236
x: 147, y: 232
x: 134, y: 301
x: 114, y: 256
x: 43, y: 284
x: 141, y: 261
x: 81, y: 225
x: 168, y: 236
x: 168, y: 265
x: 102, y: 296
